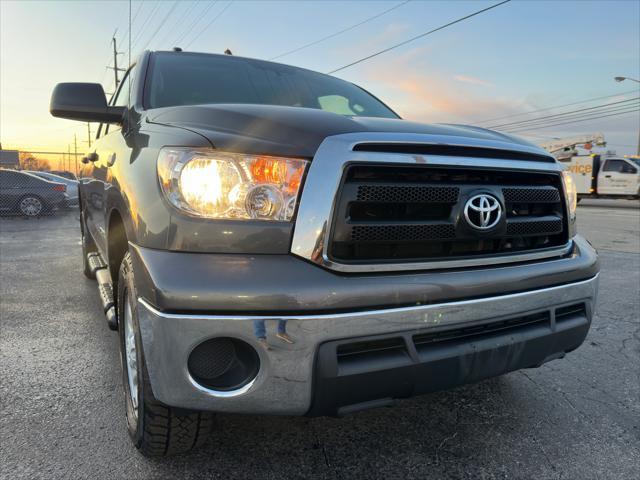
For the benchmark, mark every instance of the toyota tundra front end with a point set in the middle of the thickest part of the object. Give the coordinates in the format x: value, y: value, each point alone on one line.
x: 261, y: 250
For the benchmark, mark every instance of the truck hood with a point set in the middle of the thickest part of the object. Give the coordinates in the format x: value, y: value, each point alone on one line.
x: 294, y: 131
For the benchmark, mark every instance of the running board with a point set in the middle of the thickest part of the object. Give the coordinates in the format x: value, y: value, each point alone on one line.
x: 95, y: 262
x: 105, y: 289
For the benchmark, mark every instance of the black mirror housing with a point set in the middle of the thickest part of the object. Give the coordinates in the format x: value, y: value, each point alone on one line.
x: 85, y: 102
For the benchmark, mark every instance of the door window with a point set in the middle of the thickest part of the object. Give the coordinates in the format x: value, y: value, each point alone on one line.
x: 122, y: 96
x: 34, y: 180
x: 619, y: 166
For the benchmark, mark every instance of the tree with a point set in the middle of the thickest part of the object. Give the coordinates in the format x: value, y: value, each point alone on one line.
x: 29, y: 161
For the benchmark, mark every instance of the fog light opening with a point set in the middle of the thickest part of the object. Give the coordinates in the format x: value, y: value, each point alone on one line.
x: 223, y: 364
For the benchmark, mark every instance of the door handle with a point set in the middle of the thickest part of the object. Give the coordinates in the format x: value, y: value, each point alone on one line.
x: 607, y: 176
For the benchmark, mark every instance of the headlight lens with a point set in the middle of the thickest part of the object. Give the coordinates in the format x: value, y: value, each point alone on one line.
x: 570, y: 192
x: 227, y: 185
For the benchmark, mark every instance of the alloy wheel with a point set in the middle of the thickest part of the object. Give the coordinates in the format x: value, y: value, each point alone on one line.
x: 30, y: 206
x: 131, y: 357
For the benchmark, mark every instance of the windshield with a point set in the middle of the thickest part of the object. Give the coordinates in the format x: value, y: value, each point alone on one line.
x: 192, y: 79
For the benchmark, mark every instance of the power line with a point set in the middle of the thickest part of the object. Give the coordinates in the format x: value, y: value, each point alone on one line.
x: 546, y: 137
x: 135, y: 15
x: 120, y: 24
x: 149, y: 18
x: 209, y: 24
x: 129, y: 77
x: 536, y: 119
x: 162, y: 22
x: 340, y: 32
x: 575, y: 121
x: 617, y: 108
x: 368, y: 57
x: 129, y: 21
x: 572, y: 117
x: 190, y: 28
x: 556, y: 106
x: 178, y: 22
x: 28, y: 150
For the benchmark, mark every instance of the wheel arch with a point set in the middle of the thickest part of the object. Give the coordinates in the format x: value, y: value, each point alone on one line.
x: 118, y: 235
x: 117, y: 243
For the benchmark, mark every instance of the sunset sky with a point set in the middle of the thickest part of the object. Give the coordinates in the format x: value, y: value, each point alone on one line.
x: 521, y: 56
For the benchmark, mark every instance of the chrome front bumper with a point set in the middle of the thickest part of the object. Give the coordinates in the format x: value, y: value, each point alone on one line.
x: 284, y: 384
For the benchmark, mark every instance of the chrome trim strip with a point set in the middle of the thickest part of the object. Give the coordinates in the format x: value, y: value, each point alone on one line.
x: 444, y: 264
x: 284, y: 382
x: 222, y: 394
x: 367, y: 313
x: 316, y: 207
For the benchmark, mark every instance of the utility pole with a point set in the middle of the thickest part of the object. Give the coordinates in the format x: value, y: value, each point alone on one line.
x: 115, y: 62
x: 89, y: 133
x: 75, y: 144
x: 68, y: 168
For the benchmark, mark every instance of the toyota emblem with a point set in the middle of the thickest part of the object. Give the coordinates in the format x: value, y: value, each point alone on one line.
x: 483, y: 211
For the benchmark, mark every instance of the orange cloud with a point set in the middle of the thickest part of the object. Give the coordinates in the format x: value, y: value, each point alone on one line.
x: 420, y: 93
x: 473, y: 80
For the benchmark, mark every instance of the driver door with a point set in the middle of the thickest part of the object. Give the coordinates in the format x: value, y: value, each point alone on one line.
x: 110, y: 148
x: 617, y: 177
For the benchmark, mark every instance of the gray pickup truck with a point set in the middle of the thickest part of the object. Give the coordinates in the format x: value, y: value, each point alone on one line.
x: 271, y: 240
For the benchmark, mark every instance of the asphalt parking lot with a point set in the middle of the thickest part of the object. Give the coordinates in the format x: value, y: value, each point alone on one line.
x: 62, y: 410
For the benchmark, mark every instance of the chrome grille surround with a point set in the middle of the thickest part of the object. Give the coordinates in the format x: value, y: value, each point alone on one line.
x: 316, y: 209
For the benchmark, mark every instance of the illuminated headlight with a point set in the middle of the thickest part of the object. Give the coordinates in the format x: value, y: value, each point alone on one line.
x: 571, y: 193
x: 212, y: 184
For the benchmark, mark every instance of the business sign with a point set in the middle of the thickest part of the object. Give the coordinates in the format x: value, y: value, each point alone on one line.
x: 9, y: 158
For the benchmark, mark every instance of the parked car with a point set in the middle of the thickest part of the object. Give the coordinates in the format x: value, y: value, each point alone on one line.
x: 28, y: 194
x: 65, y: 174
x: 271, y: 240
x: 72, y: 185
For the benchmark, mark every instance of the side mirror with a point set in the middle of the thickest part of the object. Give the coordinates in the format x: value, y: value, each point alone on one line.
x: 83, y: 101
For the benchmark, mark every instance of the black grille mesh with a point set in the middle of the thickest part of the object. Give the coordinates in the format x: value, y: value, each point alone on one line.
x: 528, y: 195
x: 539, y: 227
x: 402, y: 233
x: 213, y: 358
x: 407, y: 194
x: 402, y: 213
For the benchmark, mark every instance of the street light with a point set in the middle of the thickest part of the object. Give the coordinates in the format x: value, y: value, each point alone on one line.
x: 622, y: 79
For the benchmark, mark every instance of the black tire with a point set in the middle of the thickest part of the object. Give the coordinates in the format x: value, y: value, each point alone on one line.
x: 157, y: 429
x: 88, y: 246
x: 31, y: 206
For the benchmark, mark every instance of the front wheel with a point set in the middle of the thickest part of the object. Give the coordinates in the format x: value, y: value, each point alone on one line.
x: 155, y: 429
